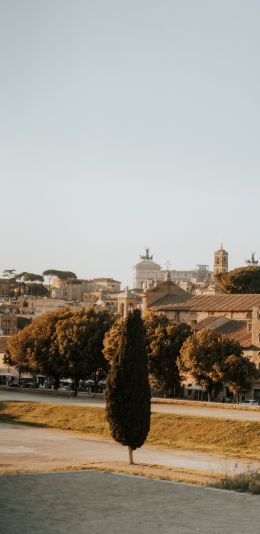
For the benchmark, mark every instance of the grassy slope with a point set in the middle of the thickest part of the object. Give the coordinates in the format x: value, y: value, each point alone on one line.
x: 235, y: 438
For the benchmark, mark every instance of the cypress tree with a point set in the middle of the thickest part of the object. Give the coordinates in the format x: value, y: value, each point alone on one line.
x: 128, y: 398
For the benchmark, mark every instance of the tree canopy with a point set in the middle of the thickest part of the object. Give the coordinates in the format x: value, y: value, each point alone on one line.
x: 62, y: 275
x: 241, y: 280
x: 64, y: 343
x: 213, y: 361
x: 80, y: 342
x: 16, y: 354
x: 30, y: 277
x: 164, y: 342
x: 239, y: 373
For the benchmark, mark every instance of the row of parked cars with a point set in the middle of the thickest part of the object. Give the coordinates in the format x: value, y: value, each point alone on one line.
x: 87, y: 386
x: 23, y: 384
x: 250, y: 402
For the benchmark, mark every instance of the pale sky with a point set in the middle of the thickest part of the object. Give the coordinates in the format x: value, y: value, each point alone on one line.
x: 126, y: 124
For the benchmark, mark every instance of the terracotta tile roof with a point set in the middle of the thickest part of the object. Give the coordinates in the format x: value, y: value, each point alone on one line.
x: 3, y: 344
x: 173, y: 289
x: 205, y: 323
x: 173, y: 299
x: 237, y: 330
x: 218, y: 303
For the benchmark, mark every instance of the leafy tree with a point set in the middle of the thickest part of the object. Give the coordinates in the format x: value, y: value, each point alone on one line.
x: 62, y: 275
x: 36, y: 290
x: 203, y: 357
x: 112, y: 337
x: 111, y: 340
x: 80, y: 342
x: 241, y: 280
x: 16, y: 354
x: 22, y: 322
x: 44, y: 353
x: 10, y: 274
x: 152, y: 321
x: 127, y: 389
x: 30, y: 277
x: 36, y: 345
x: 31, y: 284
x: 64, y: 343
x: 239, y: 374
x: 164, y: 345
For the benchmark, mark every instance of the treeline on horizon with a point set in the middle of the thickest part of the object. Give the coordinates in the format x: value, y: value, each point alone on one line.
x: 239, y: 280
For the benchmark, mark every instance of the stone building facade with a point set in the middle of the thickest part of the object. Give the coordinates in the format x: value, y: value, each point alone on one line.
x: 220, y: 261
x: 147, y: 273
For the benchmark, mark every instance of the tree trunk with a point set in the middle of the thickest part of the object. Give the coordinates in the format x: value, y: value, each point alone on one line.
x: 130, y: 452
x: 75, y: 388
x: 210, y: 395
x: 56, y: 383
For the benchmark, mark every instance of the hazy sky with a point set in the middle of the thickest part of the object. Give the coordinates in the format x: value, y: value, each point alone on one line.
x: 124, y: 124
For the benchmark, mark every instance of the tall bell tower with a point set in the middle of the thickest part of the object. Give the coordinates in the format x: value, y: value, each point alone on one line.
x: 220, y: 261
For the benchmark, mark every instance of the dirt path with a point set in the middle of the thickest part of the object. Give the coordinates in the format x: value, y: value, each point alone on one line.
x: 28, y: 448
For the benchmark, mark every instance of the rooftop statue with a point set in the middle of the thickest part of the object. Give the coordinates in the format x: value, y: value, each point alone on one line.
x: 252, y: 260
x: 146, y: 256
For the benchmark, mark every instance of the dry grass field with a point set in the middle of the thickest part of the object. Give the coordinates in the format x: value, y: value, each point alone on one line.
x: 206, y: 434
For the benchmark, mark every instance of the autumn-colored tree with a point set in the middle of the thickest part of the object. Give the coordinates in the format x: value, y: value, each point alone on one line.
x: 127, y: 388
x: 241, y: 280
x: 164, y: 342
x: 36, y: 345
x: 80, y: 342
x: 239, y: 374
x: 16, y: 354
x: 111, y: 340
x: 64, y: 343
x: 203, y: 358
x: 44, y: 354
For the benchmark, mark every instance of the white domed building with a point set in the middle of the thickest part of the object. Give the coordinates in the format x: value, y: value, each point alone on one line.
x: 146, y: 272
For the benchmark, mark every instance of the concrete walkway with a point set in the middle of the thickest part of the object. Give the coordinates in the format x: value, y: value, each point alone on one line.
x: 96, y: 503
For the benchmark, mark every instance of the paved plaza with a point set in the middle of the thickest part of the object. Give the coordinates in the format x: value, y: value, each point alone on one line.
x: 96, y: 502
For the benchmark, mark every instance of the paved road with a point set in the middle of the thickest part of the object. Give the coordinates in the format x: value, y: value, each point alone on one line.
x: 97, y: 503
x: 30, y: 448
x: 243, y: 415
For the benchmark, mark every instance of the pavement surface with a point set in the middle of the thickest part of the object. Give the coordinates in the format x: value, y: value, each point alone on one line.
x: 96, y: 502
x: 32, y: 448
x: 180, y: 409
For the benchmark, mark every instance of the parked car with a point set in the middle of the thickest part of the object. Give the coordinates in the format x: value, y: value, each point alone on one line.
x: 250, y: 402
x: 14, y: 385
x: 65, y: 388
x: 29, y: 385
